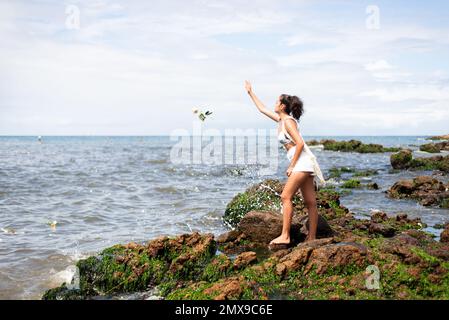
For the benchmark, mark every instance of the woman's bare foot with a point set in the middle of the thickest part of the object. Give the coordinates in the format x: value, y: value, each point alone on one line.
x: 308, y: 238
x: 280, y: 240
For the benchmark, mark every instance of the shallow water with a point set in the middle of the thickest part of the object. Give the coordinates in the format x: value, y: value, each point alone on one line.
x: 107, y: 190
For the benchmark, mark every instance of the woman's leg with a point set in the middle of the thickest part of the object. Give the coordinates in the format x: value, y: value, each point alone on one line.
x: 295, y: 180
x: 309, y: 196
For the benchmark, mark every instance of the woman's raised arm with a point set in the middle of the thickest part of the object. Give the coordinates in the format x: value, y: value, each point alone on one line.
x: 271, y: 114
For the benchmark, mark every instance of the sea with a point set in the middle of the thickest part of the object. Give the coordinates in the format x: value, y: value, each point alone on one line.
x: 64, y: 198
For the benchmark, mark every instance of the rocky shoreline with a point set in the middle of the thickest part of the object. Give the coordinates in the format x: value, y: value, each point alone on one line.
x: 385, y: 257
x: 351, y: 146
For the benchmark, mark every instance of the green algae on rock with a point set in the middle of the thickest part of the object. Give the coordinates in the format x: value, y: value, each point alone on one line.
x: 134, y: 267
x: 435, y: 147
x: 352, y: 146
x: 404, y: 160
x: 351, y: 184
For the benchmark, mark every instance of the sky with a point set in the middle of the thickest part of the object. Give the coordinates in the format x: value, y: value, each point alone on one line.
x: 138, y: 67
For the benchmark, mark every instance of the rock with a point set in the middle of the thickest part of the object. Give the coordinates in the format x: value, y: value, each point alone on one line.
x: 354, y: 146
x: 401, y: 187
x: 324, y: 230
x: 263, y: 226
x: 379, y: 216
x: 426, y: 189
x: 351, y: 184
x: 384, y: 230
x: 133, y: 267
x: 373, y: 186
x: 402, y: 217
x: 404, y: 160
x: 294, y: 260
x: 228, y: 236
x: 336, y: 255
x: 444, y: 137
x: 245, y: 259
x: 430, y: 147
x: 226, y: 289
x: 401, y: 159
x: 444, y: 237
x: 299, y: 256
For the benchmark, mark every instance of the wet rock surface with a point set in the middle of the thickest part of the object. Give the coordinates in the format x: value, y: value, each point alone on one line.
x: 426, y: 189
x: 404, y: 160
x: 435, y: 147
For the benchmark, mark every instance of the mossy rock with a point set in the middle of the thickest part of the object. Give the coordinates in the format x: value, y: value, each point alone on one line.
x: 265, y: 196
x: 355, y: 146
x: 351, y: 184
x: 430, y: 147
x: 134, y: 267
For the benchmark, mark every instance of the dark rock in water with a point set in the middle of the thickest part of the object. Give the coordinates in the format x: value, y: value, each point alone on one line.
x: 401, y: 159
x: 354, y: 146
x: 373, y: 186
x: 435, y: 147
x: 427, y: 190
x: 444, y: 137
x: 404, y: 160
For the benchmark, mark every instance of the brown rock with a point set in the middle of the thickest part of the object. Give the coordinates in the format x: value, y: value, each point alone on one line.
x: 401, y: 159
x: 444, y: 237
x: 401, y: 187
x: 226, y: 289
x: 228, y: 236
x: 402, y: 217
x: 294, y: 260
x: 264, y: 226
x: 336, y: 255
x: 379, y: 216
x: 420, y: 180
x: 384, y: 230
x: 157, y: 246
x: 244, y: 259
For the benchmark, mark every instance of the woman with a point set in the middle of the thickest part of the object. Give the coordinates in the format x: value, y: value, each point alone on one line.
x: 303, y: 165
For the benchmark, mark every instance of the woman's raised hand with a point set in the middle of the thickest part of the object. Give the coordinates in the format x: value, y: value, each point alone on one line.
x: 248, y: 87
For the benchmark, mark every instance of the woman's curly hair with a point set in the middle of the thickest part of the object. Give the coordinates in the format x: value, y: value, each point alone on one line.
x: 294, y: 105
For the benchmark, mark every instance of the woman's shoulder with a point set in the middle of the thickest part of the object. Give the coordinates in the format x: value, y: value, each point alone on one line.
x: 290, y: 117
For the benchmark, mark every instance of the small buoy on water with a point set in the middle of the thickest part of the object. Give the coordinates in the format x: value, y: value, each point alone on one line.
x: 53, y: 224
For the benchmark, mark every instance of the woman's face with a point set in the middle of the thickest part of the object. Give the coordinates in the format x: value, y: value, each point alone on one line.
x: 278, y: 107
